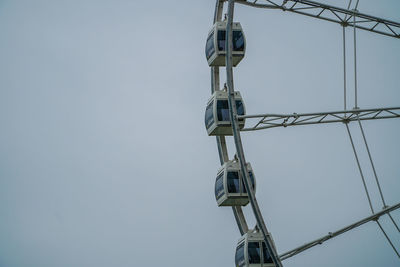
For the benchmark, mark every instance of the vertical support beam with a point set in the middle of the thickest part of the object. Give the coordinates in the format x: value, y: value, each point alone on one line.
x: 355, y: 59
x: 238, y: 142
x: 344, y: 69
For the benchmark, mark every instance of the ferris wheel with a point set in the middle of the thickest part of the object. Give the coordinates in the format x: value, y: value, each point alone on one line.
x: 225, y: 115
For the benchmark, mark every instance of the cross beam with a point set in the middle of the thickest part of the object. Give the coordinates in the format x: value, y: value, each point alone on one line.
x: 265, y: 121
x: 330, y: 13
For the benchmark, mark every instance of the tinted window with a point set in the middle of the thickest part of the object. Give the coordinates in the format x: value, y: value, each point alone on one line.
x: 251, y: 179
x: 254, y: 252
x: 239, y: 256
x: 210, y: 49
x: 233, y: 182
x: 252, y: 182
x: 267, y: 257
x: 219, y: 186
x: 237, y: 40
x: 221, y: 40
x: 209, y: 116
x: 239, y: 107
x: 223, y: 110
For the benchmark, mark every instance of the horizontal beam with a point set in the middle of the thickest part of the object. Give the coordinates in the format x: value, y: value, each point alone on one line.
x: 330, y: 13
x: 330, y: 235
x: 265, y: 121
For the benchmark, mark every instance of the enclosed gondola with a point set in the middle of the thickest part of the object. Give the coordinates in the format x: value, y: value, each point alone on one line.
x: 229, y: 185
x: 217, y: 118
x: 216, y: 42
x: 251, y: 251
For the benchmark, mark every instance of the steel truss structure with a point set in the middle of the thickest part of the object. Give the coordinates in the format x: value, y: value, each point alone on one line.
x: 344, y: 17
x: 265, y: 121
x: 330, y: 13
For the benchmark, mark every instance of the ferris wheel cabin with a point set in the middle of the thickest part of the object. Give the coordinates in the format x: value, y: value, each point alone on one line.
x: 251, y: 251
x: 229, y: 185
x: 217, y: 118
x: 216, y: 42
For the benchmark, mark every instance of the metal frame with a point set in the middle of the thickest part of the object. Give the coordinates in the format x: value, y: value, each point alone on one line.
x: 344, y: 17
x: 266, y: 121
x: 221, y: 142
x: 238, y: 143
x: 330, y: 13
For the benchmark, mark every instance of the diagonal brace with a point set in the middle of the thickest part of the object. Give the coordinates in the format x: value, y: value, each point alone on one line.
x: 330, y: 235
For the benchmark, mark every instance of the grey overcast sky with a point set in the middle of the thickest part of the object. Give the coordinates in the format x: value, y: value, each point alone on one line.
x: 104, y: 159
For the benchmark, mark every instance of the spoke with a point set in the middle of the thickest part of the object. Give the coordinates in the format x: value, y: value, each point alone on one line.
x: 330, y: 235
x: 336, y: 14
x: 265, y: 121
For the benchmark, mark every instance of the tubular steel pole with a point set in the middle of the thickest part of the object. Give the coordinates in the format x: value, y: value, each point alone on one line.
x: 344, y: 69
x: 355, y: 59
x: 237, y: 139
